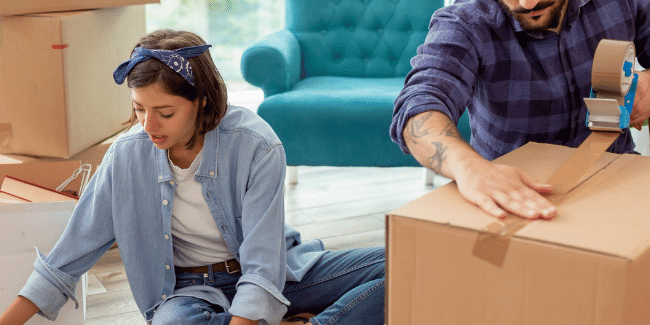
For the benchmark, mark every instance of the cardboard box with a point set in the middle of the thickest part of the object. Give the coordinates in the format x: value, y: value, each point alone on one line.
x: 57, y: 93
x: 24, y: 226
x: 19, y: 7
x: 450, y: 263
x: 93, y: 156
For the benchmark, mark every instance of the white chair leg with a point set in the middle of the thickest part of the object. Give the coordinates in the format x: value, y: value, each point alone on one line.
x: 428, y: 177
x: 292, y: 175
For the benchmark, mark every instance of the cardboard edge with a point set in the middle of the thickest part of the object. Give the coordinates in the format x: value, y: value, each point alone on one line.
x: 637, y: 293
x: 404, y: 283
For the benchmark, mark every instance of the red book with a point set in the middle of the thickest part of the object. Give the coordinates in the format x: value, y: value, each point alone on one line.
x: 15, y: 190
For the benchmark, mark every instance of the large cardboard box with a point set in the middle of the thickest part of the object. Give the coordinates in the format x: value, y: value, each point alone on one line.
x: 57, y: 93
x: 450, y: 263
x: 19, y: 7
x: 40, y: 224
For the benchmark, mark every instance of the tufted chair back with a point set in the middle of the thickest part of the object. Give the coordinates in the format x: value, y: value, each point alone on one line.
x: 360, y: 38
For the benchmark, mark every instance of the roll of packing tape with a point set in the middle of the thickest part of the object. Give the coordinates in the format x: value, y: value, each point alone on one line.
x: 607, y: 72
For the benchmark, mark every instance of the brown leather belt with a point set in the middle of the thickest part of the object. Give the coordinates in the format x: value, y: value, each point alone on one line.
x: 230, y: 266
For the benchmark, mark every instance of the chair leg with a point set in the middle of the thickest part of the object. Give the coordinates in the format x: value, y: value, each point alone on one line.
x: 428, y: 177
x: 292, y: 175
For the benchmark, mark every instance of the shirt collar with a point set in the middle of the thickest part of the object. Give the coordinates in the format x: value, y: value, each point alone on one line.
x: 208, y: 166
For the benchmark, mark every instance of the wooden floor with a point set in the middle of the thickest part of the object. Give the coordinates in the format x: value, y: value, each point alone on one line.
x: 345, y: 207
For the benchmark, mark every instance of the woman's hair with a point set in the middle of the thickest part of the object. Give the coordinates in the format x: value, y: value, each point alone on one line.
x: 214, y: 100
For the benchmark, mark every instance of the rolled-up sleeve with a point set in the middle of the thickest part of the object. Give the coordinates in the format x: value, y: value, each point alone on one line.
x: 443, y: 73
x: 263, y: 249
x: 88, y: 235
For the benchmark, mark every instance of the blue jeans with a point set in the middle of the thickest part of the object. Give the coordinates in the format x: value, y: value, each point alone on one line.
x: 344, y: 287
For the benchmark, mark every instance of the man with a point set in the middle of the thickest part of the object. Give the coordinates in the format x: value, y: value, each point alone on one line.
x: 522, y: 69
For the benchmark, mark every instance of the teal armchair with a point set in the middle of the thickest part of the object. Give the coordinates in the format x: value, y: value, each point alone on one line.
x: 331, y: 76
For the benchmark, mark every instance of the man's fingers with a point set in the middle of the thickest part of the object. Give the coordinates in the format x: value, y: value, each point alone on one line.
x: 487, y: 205
x: 515, y: 203
x: 535, y: 184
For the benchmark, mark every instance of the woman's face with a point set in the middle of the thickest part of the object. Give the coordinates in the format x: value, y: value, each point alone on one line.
x: 168, y: 119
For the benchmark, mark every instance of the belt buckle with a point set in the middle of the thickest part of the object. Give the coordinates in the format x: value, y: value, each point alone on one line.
x: 228, y: 268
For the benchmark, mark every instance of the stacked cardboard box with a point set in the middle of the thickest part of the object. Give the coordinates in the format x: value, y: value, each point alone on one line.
x: 57, y: 95
x: 450, y: 263
x: 92, y: 155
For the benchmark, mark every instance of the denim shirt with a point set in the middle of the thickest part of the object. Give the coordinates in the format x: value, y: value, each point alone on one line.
x: 129, y: 200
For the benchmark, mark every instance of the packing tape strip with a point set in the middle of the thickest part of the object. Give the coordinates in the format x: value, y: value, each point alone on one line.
x: 581, y: 160
x: 607, y: 75
x: 492, y: 244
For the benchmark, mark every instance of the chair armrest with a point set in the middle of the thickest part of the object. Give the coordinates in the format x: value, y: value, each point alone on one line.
x: 273, y: 63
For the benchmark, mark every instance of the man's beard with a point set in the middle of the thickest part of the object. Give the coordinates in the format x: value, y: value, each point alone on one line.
x: 554, y: 16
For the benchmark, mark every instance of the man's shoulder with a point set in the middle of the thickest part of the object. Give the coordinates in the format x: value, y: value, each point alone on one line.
x: 475, y: 13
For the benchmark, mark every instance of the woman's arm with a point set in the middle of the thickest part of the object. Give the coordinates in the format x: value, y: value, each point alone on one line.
x: 19, y: 312
x: 262, y: 253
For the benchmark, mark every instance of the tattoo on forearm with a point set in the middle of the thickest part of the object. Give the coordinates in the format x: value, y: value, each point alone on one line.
x: 450, y: 131
x: 438, y: 158
x: 415, y: 128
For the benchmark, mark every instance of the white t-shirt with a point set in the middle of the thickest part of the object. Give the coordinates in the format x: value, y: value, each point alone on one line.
x: 196, y: 239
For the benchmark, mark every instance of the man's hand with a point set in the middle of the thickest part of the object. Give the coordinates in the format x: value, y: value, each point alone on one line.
x: 434, y: 141
x: 498, y: 189
x: 641, y: 107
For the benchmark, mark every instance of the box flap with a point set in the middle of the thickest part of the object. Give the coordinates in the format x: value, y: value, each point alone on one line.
x: 609, y: 204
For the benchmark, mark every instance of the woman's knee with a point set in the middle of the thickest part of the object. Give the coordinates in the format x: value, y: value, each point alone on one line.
x: 376, y: 257
x: 184, y: 310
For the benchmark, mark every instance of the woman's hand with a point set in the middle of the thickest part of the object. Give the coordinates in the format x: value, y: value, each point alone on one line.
x: 236, y: 320
x: 19, y: 312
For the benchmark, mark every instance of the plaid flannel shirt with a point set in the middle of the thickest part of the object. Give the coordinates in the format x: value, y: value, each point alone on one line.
x: 518, y: 86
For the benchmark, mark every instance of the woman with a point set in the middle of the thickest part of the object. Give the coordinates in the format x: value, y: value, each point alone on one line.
x: 193, y: 195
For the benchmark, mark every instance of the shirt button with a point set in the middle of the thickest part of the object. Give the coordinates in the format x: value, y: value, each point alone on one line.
x: 211, y: 173
x: 205, y: 275
x: 172, y: 183
x: 165, y: 202
x: 164, y: 296
x: 168, y: 267
x: 160, y: 177
x: 209, y: 195
x: 166, y: 237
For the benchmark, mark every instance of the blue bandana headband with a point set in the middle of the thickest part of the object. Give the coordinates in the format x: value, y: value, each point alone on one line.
x: 176, y: 60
